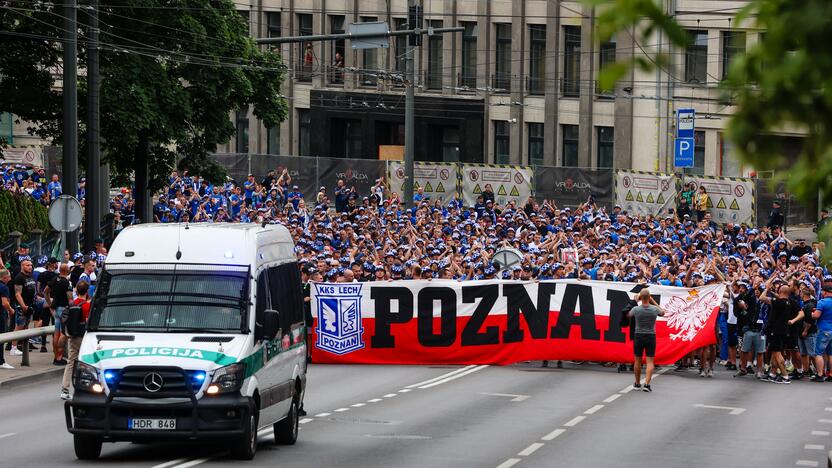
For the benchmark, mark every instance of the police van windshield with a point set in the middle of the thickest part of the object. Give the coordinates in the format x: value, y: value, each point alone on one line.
x: 170, y: 301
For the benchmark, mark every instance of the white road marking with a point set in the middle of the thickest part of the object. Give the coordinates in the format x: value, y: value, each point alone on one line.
x: 574, y: 421
x: 443, y: 376
x: 390, y: 395
x: 10, y: 434
x: 341, y: 410
x: 530, y: 449
x: 359, y: 405
x: 820, y: 433
x: 171, y: 463
x: 198, y: 461
x: 405, y: 390
x: 594, y: 409
x: 552, y: 435
x: 454, y: 377
x: 813, y: 447
x: 322, y: 415
x: 612, y: 398
x: 732, y: 410
x: 509, y: 463
x: 374, y: 400
x: 825, y: 421
x: 305, y: 420
x: 627, y: 389
x: 806, y: 463
x: 827, y: 409
x: 508, y: 395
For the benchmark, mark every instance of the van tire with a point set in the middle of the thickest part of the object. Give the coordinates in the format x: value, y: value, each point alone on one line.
x: 87, y: 447
x: 286, y: 430
x: 246, y: 446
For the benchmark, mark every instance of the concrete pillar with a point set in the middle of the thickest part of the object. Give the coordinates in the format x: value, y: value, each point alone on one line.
x: 550, y: 121
x: 518, y: 57
x: 586, y: 130
x: 623, y: 120
x: 485, y: 46
x: 451, y: 48
x: 288, y: 140
x: 319, y: 26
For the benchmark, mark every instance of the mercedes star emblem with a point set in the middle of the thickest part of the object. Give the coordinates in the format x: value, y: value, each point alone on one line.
x: 153, y: 382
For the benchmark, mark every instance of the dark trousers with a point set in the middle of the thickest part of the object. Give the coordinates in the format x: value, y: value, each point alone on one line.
x: 4, y: 316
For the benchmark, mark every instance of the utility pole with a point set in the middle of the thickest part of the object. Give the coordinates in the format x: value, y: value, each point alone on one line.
x: 70, y: 98
x: 410, y: 102
x: 92, y: 201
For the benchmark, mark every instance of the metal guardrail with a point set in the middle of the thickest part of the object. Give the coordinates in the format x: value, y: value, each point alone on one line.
x: 25, y: 335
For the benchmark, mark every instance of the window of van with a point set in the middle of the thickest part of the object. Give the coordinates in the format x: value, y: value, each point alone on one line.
x: 287, y: 294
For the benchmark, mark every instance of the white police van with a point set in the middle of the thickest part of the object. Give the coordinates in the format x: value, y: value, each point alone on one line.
x: 195, y: 332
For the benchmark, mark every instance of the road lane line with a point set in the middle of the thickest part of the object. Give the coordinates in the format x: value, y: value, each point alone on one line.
x: 454, y: 377
x: 390, y: 395
x: 322, y: 415
x: 806, y: 463
x: 443, y: 376
x: 813, y: 447
x: 508, y: 395
x: 825, y: 421
x: 509, y: 463
x: 341, y: 410
x: 530, y: 449
x: 552, y: 435
x: 359, y: 405
x: 198, y: 461
x: 10, y: 434
x: 731, y: 410
x: 627, y: 389
x: 171, y: 463
x: 612, y: 398
x: 374, y: 400
x: 575, y: 421
x: 594, y: 409
x: 305, y: 420
x: 827, y: 409
x: 820, y: 433
x: 405, y: 390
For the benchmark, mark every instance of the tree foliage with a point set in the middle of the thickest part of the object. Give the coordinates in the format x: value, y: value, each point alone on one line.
x: 783, y: 82
x: 172, y: 72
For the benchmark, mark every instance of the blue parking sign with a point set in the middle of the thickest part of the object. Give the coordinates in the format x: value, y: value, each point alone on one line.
x: 683, y: 152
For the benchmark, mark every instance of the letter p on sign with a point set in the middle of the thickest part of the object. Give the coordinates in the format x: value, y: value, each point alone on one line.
x: 683, y: 152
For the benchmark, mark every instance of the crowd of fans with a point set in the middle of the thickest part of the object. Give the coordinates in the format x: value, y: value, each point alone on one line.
x: 345, y: 236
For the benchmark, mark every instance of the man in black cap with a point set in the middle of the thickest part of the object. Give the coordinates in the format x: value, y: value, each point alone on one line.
x: 18, y: 257
x: 775, y: 218
x: 824, y: 219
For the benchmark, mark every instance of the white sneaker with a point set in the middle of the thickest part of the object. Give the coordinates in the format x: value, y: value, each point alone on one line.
x: 65, y: 395
x: 15, y: 351
x: 6, y: 365
x: 709, y: 374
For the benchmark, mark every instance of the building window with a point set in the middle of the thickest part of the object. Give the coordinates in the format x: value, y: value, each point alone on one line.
x: 536, y: 144
x: 337, y: 49
x: 570, y: 145
x: 730, y: 165
x: 469, y: 55
x: 435, y: 45
x: 304, y: 132
x: 537, y: 58
x: 696, y: 57
x: 273, y: 26
x: 733, y: 44
x: 305, y: 49
x: 606, y: 136
x: 273, y: 140
x: 501, y: 142
x: 571, y: 61
x: 401, y: 46
x: 242, y: 130
x: 606, y: 57
x: 246, y: 16
x: 502, y: 58
x: 354, y: 136
x: 698, y: 155
x: 369, y: 62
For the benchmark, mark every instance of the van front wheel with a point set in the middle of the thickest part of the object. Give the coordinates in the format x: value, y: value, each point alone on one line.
x: 87, y: 447
x: 286, y: 431
x: 246, y: 446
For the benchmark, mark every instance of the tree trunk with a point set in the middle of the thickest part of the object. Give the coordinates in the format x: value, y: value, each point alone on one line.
x: 144, y: 208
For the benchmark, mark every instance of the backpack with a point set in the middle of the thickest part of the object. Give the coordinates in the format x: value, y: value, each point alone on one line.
x: 72, y: 319
x: 624, y: 320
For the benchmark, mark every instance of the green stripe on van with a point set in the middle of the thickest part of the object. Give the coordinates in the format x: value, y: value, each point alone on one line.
x: 187, y: 353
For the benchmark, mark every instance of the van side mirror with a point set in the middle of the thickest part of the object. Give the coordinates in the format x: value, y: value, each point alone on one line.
x: 271, y: 324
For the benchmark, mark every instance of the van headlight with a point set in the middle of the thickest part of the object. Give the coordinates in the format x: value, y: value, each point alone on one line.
x: 85, y: 378
x: 227, y: 379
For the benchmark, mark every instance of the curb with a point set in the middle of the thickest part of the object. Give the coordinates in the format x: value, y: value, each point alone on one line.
x: 30, y: 379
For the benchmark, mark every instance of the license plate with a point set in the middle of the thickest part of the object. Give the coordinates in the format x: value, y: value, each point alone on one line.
x: 151, y: 424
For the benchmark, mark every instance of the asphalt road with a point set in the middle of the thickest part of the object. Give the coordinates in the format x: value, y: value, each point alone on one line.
x: 479, y: 416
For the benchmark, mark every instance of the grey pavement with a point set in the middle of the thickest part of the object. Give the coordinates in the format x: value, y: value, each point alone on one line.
x: 484, y: 416
x: 40, y: 367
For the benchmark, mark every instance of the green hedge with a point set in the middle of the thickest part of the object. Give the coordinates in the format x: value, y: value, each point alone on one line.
x: 21, y: 213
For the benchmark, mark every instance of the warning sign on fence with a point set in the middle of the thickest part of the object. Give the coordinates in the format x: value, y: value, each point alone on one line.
x: 643, y: 193
x: 731, y: 198
x: 507, y: 182
x: 439, y: 180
